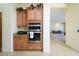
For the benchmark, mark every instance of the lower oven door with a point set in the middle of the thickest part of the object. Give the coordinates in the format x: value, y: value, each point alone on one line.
x: 35, y: 38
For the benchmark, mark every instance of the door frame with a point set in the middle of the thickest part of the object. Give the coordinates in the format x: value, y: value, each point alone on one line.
x: 1, y: 30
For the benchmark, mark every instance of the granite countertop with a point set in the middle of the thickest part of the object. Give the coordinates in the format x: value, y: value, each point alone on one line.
x: 19, y: 34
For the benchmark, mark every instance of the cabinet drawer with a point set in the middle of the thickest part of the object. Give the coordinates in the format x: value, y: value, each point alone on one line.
x: 20, y: 36
x: 35, y: 46
x: 15, y: 37
x: 24, y: 37
x: 39, y: 47
x: 31, y: 46
x: 35, y: 21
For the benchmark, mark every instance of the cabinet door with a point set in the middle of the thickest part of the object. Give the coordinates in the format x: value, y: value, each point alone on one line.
x: 38, y: 14
x: 31, y: 46
x: 24, y: 21
x: 20, y: 42
x: 39, y: 47
x: 16, y: 44
x: 19, y: 18
x: 31, y: 14
x: 23, y: 44
x: 35, y: 46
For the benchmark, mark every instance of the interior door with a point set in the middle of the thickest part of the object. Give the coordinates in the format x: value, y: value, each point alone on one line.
x: 0, y: 30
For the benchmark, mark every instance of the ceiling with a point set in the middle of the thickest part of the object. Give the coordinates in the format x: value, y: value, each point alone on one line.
x: 57, y: 14
x: 62, y: 5
x: 24, y: 5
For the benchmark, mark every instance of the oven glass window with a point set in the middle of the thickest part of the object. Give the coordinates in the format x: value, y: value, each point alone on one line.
x: 36, y: 37
x: 34, y: 27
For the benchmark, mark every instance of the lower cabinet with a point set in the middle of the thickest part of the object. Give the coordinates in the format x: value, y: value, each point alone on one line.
x: 35, y: 46
x: 21, y: 44
x: 16, y: 44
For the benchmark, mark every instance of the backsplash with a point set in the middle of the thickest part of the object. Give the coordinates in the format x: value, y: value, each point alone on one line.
x: 22, y: 29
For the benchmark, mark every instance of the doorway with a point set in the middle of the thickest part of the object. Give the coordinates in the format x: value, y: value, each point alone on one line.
x: 57, y: 25
x: 0, y: 32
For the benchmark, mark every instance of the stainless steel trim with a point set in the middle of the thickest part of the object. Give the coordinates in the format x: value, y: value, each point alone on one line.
x: 34, y: 25
x: 34, y: 32
x: 33, y: 41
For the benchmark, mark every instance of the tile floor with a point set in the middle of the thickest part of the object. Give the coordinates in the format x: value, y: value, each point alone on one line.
x: 58, y: 48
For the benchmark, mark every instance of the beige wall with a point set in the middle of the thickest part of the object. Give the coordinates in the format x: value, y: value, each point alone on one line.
x: 72, y: 25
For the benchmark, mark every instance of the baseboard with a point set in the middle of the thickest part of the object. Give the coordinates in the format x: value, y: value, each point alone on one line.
x: 71, y: 48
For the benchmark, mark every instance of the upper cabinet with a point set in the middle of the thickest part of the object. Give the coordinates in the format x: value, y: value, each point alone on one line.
x: 35, y: 12
x: 21, y: 18
x: 38, y: 13
x: 30, y: 14
x: 24, y: 20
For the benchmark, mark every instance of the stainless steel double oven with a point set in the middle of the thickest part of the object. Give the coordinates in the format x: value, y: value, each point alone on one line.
x: 34, y: 32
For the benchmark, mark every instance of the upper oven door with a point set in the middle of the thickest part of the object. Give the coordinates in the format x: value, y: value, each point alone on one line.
x: 34, y: 27
x: 37, y: 28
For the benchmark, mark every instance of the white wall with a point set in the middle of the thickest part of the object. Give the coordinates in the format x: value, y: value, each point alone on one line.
x: 57, y: 26
x: 46, y: 28
x: 57, y: 14
x: 72, y: 25
x: 8, y: 26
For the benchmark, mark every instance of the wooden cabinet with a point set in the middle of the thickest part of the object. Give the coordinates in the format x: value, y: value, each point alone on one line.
x: 20, y: 42
x: 35, y: 46
x: 24, y: 20
x: 30, y: 14
x: 38, y: 14
x: 16, y: 44
x: 23, y: 44
x: 24, y: 17
x: 35, y: 14
x: 21, y: 18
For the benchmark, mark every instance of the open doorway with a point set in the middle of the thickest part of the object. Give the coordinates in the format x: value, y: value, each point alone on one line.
x: 57, y: 25
x: 0, y: 32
